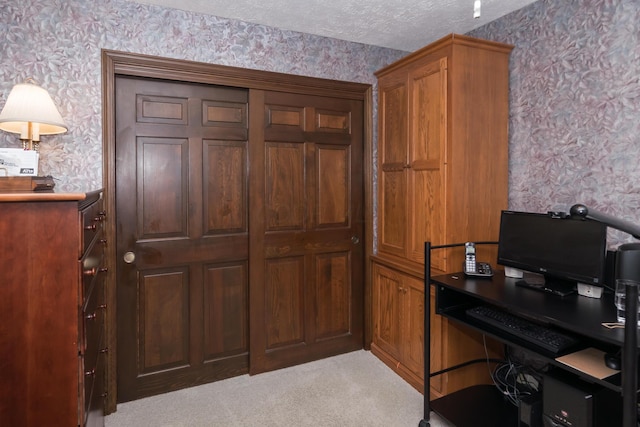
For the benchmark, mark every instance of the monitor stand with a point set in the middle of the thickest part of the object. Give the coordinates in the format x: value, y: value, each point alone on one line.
x: 550, y: 285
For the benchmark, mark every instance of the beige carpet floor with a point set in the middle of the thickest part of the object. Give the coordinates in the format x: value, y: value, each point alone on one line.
x: 353, y: 389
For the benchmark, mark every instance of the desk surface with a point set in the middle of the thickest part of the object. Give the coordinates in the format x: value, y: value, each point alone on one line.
x: 580, y: 314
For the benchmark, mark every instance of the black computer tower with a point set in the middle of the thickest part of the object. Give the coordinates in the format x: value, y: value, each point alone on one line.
x: 568, y: 401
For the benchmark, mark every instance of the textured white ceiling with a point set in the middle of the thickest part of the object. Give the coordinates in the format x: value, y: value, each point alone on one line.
x: 399, y: 24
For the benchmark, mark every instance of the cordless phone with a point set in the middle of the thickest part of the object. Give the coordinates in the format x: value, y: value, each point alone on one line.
x: 471, y: 267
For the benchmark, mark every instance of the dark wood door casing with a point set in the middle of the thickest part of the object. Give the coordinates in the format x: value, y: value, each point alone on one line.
x: 128, y: 64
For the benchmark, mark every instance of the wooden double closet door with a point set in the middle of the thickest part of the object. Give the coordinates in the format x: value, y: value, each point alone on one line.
x: 239, y: 227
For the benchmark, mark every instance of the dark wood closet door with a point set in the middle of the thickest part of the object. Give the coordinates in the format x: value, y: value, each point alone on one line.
x: 182, y: 235
x: 306, y: 257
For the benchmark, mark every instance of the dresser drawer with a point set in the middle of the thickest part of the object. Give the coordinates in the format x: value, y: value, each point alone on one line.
x: 93, y: 318
x: 93, y: 338
x: 94, y: 399
x: 92, y: 266
x: 92, y: 219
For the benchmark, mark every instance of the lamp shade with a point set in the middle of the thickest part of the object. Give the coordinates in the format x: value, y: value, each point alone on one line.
x: 29, y: 103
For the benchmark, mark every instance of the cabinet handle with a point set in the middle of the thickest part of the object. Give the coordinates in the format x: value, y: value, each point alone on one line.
x: 104, y: 350
x: 91, y: 227
x: 90, y: 373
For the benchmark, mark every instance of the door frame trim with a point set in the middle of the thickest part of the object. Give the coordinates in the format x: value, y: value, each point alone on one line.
x: 138, y: 65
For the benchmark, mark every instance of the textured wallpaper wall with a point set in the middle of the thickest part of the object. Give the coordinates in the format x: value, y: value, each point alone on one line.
x: 575, y: 89
x: 574, y: 105
x: 59, y: 42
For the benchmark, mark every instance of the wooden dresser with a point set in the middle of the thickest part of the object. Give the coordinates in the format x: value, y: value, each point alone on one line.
x: 442, y: 177
x: 52, y: 309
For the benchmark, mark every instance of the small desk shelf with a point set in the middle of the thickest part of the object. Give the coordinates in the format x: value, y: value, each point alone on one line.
x: 582, y: 316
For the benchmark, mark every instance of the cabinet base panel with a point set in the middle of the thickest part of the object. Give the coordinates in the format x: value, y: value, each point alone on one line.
x: 404, y: 372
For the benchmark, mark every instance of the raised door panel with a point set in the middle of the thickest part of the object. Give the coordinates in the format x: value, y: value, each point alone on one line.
x: 329, y: 121
x: 226, y: 317
x: 285, y: 186
x: 413, y: 325
x: 392, y: 166
x: 387, y: 309
x: 284, y: 302
x: 224, y: 187
x: 163, y: 201
x: 333, y: 192
x: 333, y: 295
x: 392, y: 202
x: 393, y: 123
x: 163, y: 323
x: 427, y: 155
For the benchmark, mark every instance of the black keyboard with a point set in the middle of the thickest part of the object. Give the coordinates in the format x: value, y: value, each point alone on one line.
x: 536, y: 334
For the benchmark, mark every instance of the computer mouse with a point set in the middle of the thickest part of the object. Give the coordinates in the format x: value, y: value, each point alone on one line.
x: 613, y: 361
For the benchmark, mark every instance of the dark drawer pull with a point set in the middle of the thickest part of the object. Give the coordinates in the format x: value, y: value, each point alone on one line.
x: 104, y: 350
x: 94, y: 314
x: 94, y: 270
x: 92, y: 227
x: 90, y: 373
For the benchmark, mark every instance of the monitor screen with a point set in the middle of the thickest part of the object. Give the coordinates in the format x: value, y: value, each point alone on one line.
x: 565, y: 249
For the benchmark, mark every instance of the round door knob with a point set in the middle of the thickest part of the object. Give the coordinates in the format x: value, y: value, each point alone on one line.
x: 129, y: 257
x: 355, y: 240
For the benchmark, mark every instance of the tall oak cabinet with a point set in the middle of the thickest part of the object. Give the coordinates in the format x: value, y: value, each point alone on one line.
x: 442, y: 176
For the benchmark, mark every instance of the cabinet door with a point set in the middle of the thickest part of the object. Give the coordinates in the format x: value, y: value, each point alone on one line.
x: 387, y: 300
x: 426, y: 172
x: 392, y: 165
x: 413, y: 325
x: 437, y: 343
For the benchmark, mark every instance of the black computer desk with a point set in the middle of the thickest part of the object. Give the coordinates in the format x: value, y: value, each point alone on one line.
x: 579, y: 315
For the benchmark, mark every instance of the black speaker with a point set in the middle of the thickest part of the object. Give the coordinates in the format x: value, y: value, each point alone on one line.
x: 530, y: 411
x: 610, y: 271
x: 628, y: 262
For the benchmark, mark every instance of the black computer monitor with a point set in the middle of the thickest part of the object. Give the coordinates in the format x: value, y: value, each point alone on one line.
x: 563, y: 249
